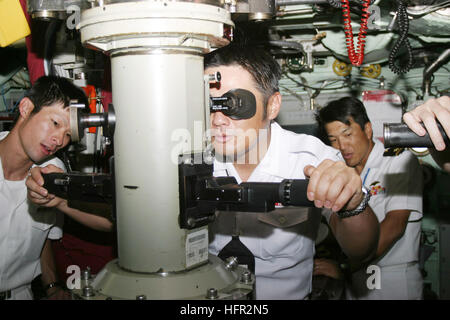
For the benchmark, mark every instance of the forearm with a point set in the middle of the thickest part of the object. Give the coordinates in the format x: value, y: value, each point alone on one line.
x: 48, y: 267
x: 87, y: 219
x: 392, y: 229
x: 386, y: 241
x: 54, y: 290
x: 357, y: 235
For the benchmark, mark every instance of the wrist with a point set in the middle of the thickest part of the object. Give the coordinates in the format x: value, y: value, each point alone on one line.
x: 62, y: 205
x: 53, y: 287
x: 360, y: 208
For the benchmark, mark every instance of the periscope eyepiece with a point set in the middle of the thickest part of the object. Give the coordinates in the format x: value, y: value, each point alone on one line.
x: 238, y: 104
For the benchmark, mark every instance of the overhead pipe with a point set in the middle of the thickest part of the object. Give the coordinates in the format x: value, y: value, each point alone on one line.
x: 428, y: 72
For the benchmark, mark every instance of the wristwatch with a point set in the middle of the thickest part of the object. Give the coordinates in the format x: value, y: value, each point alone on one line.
x: 362, y: 206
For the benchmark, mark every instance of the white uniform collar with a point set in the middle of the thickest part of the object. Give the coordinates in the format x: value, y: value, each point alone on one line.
x: 280, y: 146
x: 375, y: 156
x: 276, y: 153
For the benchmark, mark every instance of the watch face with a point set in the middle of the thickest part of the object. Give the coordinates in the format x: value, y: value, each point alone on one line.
x: 367, y: 194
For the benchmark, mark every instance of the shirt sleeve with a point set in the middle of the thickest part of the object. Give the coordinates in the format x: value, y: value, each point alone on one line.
x: 56, y: 162
x: 404, y: 183
x: 56, y: 231
x: 302, y: 143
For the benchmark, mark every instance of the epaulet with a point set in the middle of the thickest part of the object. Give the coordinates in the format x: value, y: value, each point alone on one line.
x: 392, y: 152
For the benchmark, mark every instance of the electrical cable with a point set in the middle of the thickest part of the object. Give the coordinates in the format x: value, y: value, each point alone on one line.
x: 362, y: 1
x: 312, y: 88
x: 17, y: 102
x: 428, y: 9
x: 403, y: 25
x: 335, y: 3
x: 355, y: 57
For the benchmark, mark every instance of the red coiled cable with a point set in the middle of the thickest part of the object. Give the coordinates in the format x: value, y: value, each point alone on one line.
x: 356, y: 58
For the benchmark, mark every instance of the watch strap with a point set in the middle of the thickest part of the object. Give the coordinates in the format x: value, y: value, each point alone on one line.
x: 360, y: 208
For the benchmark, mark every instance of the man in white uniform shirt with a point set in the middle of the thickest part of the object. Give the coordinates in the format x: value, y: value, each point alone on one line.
x: 41, y: 129
x: 395, y: 182
x: 256, y: 149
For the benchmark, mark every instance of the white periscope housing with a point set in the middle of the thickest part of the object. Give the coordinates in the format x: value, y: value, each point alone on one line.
x: 156, y: 50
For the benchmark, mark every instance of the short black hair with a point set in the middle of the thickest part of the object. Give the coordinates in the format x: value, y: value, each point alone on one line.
x: 264, y: 69
x: 341, y: 110
x: 48, y: 90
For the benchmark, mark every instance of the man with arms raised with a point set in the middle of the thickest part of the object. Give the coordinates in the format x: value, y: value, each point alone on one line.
x: 257, y: 149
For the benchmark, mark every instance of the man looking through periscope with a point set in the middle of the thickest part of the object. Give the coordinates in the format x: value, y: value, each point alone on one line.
x: 257, y: 149
x: 41, y: 129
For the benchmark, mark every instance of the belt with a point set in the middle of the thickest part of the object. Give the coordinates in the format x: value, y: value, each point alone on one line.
x: 5, y: 295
